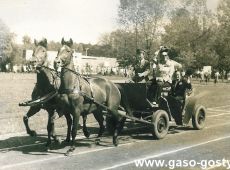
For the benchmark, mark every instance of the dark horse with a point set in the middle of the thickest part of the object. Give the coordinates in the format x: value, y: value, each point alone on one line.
x: 79, y: 96
x: 47, y: 82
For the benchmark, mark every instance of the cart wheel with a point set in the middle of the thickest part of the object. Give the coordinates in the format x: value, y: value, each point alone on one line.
x: 160, y: 120
x: 198, y: 119
x: 110, y: 124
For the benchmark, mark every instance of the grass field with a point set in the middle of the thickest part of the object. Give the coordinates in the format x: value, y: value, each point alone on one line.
x: 15, y: 88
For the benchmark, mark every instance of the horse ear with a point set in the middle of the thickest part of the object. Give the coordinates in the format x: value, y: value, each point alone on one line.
x: 70, y: 42
x: 62, y: 41
x: 45, y: 42
x: 35, y: 42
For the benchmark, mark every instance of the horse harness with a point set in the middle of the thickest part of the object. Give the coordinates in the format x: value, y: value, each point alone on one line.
x: 78, y: 90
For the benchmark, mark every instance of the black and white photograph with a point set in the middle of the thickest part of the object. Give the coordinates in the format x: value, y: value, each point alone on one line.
x: 114, y: 84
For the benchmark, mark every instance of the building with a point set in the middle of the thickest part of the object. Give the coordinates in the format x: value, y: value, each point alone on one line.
x: 84, y: 64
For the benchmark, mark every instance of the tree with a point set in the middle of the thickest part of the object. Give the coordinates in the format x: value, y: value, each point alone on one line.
x: 6, y: 40
x: 16, y: 56
x: 222, y: 41
x: 180, y: 34
x: 144, y: 19
x: 27, y: 42
x: 54, y: 46
x: 191, y: 33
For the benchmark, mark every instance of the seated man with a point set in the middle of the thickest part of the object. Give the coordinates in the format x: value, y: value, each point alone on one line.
x: 176, y: 77
x: 181, y: 89
x: 141, y: 67
x: 162, y: 73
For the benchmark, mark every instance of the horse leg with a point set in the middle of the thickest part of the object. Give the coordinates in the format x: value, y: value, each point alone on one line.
x: 69, y: 125
x: 119, y: 126
x: 32, y: 111
x: 85, y: 129
x: 51, y: 128
x: 100, y: 119
x: 76, y: 115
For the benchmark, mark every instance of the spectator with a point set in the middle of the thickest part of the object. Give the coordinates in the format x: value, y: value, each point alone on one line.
x: 216, y: 77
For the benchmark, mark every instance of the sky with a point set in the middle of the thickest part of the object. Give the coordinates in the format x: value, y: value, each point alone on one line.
x: 82, y: 20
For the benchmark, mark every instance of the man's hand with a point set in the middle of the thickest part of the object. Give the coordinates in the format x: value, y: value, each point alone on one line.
x: 140, y: 75
x: 189, y: 92
x: 143, y: 74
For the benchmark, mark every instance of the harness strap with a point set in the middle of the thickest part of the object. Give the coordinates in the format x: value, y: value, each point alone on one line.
x: 91, y: 89
x: 79, y: 90
x: 40, y: 100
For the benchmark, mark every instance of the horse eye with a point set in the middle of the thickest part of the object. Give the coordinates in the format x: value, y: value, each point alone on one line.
x: 68, y: 51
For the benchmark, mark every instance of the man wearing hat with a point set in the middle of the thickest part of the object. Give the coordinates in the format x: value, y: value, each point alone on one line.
x: 163, y: 71
x: 141, y: 67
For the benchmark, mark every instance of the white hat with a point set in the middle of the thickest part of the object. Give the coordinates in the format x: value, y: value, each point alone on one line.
x: 164, y: 53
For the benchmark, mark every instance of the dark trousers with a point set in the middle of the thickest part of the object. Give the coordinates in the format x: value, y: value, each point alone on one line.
x: 154, y: 90
x: 176, y: 104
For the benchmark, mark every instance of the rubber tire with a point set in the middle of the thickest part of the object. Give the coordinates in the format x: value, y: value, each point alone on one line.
x: 158, y: 117
x: 110, y: 125
x: 199, y: 109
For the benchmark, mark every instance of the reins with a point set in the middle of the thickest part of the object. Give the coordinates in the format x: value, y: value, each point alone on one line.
x: 53, y: 70
x: 46, y: 97
x: 54, y: 78
x: 78, y: 74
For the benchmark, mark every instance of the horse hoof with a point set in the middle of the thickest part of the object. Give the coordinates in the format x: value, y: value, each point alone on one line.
x: 87, y: 134
x: 58, y: 141
x: 100, y: 133
x: 97, y: 141
x: 67, y: 140
x: 47, y: 149
x: 70, y: 151
x: 32, y: 133
x: 67, y: 154
x: 48, y: 144
x: 115, y: 141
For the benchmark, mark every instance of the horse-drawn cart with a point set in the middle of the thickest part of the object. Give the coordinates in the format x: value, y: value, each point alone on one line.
x: 168, y: 112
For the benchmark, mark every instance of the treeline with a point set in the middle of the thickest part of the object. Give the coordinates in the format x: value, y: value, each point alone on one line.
x: 14, y: 54
x: 195, y: 35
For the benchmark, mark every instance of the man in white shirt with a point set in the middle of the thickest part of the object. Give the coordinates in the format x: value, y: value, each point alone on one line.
x: 163, y: 70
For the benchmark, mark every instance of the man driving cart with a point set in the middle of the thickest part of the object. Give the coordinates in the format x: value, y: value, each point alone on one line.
x: 141, y: 67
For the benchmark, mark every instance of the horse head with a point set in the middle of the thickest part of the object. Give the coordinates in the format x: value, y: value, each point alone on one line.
x: 39, y: 56
x: 65, y: 54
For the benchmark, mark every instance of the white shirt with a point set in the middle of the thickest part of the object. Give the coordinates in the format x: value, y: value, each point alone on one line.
x: 165, y: 71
